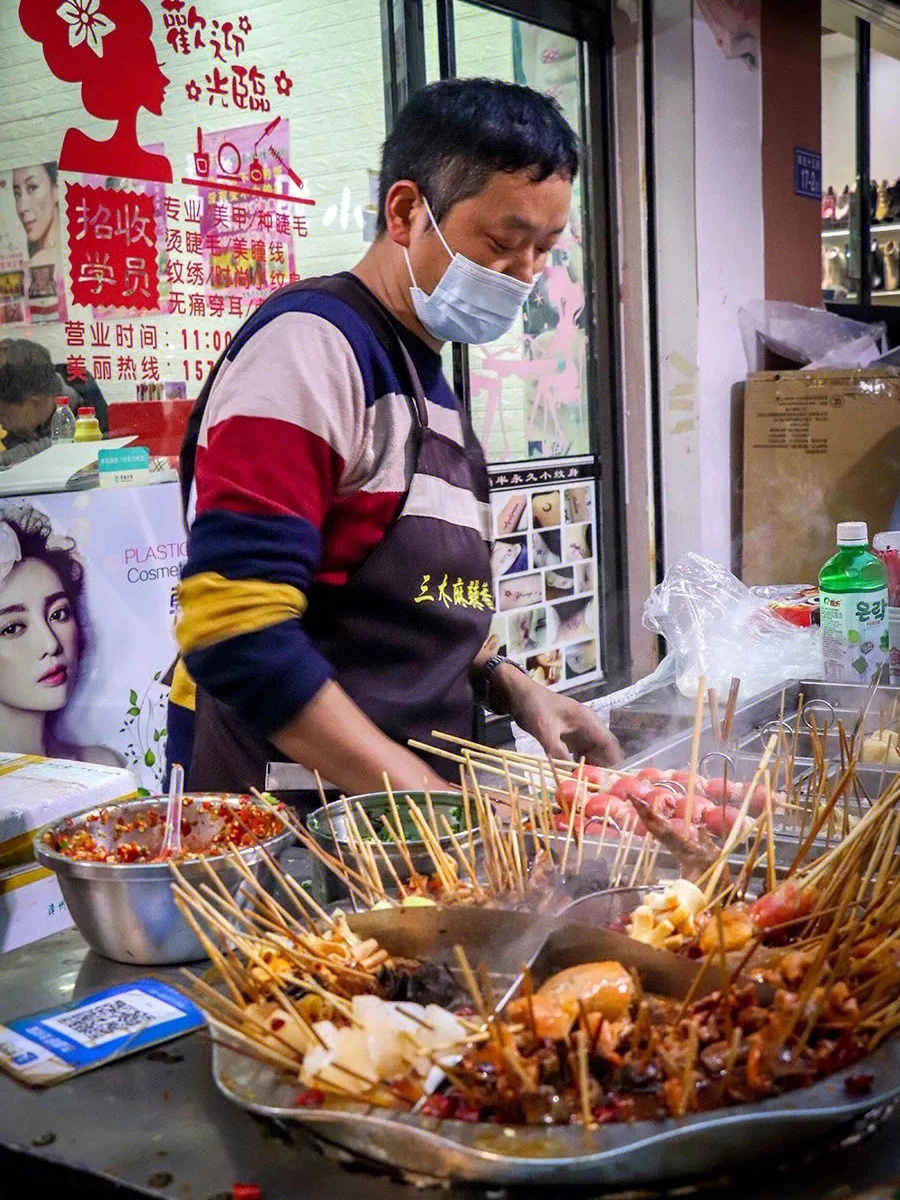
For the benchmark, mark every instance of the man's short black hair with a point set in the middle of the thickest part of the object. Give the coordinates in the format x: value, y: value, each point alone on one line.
x: 26, y: 370
x: 453, y: 135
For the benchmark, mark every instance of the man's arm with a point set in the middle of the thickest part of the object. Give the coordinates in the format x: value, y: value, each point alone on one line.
x: 334, y: 737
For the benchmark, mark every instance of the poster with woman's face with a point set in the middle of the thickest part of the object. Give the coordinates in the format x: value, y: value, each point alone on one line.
x: 86, y: 624
x: 32, y: 271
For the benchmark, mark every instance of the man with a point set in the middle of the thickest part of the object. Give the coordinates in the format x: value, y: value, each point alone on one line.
x: 29, y: 385
x: 336, y: 596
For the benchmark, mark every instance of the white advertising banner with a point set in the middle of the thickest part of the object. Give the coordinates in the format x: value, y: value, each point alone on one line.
x: 87, y: 606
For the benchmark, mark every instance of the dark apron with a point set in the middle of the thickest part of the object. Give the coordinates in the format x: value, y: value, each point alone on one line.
x: 401, y: 634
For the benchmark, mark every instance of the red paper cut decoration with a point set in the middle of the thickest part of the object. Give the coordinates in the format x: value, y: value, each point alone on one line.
x: 106, y: 46
x: 112, y: 247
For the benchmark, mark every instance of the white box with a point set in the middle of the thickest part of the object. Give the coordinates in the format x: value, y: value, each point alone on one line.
x: 31, y: 906
x: 35, y: 791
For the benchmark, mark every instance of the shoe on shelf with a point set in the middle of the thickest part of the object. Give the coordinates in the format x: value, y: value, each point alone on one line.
x: 891, y: 266
x: 877, y: 267
x: 894, y: 203
x: 883, y: 203
x: 842, y: 208
x: 834, y: 275
x: 828, y: 209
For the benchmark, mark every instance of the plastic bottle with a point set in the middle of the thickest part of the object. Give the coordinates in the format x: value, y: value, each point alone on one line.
x: 87, y: 427
x: 854, y: 602
x: 62, y: 423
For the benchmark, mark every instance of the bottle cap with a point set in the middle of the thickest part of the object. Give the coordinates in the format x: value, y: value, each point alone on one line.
x: 86, y: 411
x: 852, y: 533
x: 62, y: 401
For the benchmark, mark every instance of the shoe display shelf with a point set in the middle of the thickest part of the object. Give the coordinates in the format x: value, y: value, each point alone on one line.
x: 835, y: 282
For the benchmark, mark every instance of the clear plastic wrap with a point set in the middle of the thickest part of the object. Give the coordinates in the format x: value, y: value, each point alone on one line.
x: 811, y: 337
x: 717, y: 629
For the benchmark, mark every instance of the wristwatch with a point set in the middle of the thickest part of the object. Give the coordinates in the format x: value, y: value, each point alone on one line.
x: 483, y: 685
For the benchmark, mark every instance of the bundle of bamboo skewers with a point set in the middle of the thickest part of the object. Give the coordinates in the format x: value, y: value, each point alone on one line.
x: 288, y: 970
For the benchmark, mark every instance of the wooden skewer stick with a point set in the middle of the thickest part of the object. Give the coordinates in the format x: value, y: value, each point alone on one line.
x: 363, y: 816
x: 714, y: 720
x: 695, y: 753
x: 578, y: 799
x: 730, y: 708
x: 467, y: 866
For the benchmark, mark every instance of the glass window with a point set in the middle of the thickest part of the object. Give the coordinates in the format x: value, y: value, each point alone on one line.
x: 884, y: 160
x: 528, y: 393
x: 160, y: 175
x: 840, y: 249
x: 529, y: 398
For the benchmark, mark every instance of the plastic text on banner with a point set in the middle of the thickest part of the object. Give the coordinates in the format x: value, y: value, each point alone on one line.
x: 112, y: 247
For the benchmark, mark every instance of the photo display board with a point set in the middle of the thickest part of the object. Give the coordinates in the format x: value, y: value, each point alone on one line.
x: 545, y: 567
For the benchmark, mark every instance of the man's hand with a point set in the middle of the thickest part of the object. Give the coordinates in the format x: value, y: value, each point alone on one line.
x: 565, y: 728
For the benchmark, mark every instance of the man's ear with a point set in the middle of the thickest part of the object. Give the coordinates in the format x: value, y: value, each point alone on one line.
x: 402, y: 207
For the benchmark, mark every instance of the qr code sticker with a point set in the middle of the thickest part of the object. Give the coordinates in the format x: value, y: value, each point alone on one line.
x: 95, y: 1024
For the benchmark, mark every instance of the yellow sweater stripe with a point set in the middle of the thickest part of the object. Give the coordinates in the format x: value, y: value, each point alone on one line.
x: 183, y: 691
x: 214, y: 608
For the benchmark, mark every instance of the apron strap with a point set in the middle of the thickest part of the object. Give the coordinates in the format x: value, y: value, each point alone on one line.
x: 345, y: 286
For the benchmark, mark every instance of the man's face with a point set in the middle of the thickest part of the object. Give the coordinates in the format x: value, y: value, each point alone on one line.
x: 25, y: 417
x: 510, y: 226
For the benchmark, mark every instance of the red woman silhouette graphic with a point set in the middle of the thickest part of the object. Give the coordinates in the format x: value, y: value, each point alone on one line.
x: 105, y: 45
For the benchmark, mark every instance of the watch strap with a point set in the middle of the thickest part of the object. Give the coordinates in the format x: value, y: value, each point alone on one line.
x: 483, y: 686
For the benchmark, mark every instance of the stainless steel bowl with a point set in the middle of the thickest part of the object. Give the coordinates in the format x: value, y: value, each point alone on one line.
x: 328, y: 825
x: 607, y: 907
x: 125, y: 911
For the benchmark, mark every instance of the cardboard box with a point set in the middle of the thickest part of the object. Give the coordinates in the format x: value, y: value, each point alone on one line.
x: 31, y: 906
x: 35, y: 791
x: 819, y: 447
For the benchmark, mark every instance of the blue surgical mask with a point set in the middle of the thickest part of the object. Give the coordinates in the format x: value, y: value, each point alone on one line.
x: 470, y: 303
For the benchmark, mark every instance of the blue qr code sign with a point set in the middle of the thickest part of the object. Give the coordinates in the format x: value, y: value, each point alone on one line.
x: 808, y: 173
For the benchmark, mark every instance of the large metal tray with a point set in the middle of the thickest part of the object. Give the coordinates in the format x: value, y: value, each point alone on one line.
x: 643, y: 1152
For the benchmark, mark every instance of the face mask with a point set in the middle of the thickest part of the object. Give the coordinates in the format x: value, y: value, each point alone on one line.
x: 470, y: 303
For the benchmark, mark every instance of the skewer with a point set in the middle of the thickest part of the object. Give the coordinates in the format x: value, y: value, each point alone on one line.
x: 364, y: 817
x: 573, y: 812
x: 714, y: 717
x: 695, y: 752
x: 730, y: 709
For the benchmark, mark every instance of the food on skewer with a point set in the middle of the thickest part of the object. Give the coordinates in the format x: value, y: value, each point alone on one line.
x: 883, y: 746
x: 775, y: 1028
x: 667, y: 917
x: 330, y: 1008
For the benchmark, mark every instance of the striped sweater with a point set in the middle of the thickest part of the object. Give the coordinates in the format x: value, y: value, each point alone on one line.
x: 303, y: 459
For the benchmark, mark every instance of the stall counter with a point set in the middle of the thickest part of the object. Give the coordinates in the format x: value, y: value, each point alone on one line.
x: 156, y: 1123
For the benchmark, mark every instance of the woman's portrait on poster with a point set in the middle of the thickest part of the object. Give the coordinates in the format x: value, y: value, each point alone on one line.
x: 43, y: 637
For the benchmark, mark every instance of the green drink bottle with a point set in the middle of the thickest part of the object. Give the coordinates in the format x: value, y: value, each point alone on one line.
x: 854, y: 596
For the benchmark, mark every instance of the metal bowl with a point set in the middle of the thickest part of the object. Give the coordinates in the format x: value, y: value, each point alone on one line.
x: 607, y: 907
x: 328, y: 825
x: 125, y: 911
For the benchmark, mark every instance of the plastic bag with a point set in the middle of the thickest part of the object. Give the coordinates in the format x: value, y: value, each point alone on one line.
x: 717, y: 629
x: 810, y: 337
